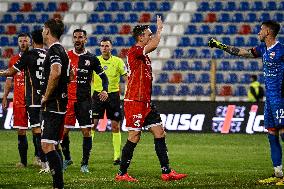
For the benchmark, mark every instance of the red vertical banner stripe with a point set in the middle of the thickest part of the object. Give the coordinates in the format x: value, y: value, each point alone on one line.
x: 228, y: 119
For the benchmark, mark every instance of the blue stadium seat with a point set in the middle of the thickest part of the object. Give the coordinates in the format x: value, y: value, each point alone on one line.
x: 191, y: 29
x: 256, y: 29
x: 170, y: 90
x: 198, y: 90
x: 281, y: 5
x: 257, y: 6
x: 114, y: 6
x: 164, y: 6
x: 244, y: 6
x: 278, y: 17
x: 14, y: 7
x: 192, y: 53
x: 183, y: 90
x: 218, y: 53
x: 43, y: 18
x: 245, y: 78
x: 252, y: 41
x: 184, y: 66
x: 271, y: 6
x: 2, y: 66
x: 204, y: 29
x: 152, y: 6
x: 226, y: 40
x: 139, y: 6
x: 219, y: 78
x: 178, y: 53
x: 190, y: 78
x: 94, y: 18
x: 184, y: 42
x: 97, y: 51
x: 261, y: 78
x: 217, y: 6
x: 163, y: 78
x: 231, y: 29
x: 38, y: 7
x: 20, y: 18
x: 7, y: 18
x: 31, y: 18
x: 126, y: 6
x: 112, y: 29
x: 114, y: 52
x: 264, y: 17
x: 169, y: 65
x: 4, y: 41
x: 197, y: 17
x: 204, y: 78
x: 240, y: 91
x: 230, y: 6
x: 133, y: 17
x: 2, y: 29
x: 51, y: 7
x: 24, y: 29
x: 120, y: 18
x: 92, y: 41
x: 14, y: 41
x: 107, y: 18
x: 224, y: 17
x: 157, y: 90
x: 238, y: 66
x: 153, y: 28
x: 100, y: 29
x: 198, y: 41
x: 130, y: 42
x: 203, y: 6
x: 119, y: 41
x: 232, y: 78
x: 101, y: 6
x: 253, y: 66
x: 218, y: 29
x: 207, y: 65
x: 205, y: 53
x: 238, y: 17
x: 197, y: 65
x: 224, y: 66
x: 251, y: 17
x: 239, y: 41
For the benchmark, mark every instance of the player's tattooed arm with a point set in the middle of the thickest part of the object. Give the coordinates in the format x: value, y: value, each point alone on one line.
x: 9, y: 72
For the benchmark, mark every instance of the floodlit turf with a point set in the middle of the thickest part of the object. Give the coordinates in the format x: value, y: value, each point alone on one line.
x: 211, y: 160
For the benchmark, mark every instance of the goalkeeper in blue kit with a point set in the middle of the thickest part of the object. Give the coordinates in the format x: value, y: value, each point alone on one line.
x: 272, y: 53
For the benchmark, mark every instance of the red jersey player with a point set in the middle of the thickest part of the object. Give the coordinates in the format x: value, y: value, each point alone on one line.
x: 137, y: 104
x: 19, y: 105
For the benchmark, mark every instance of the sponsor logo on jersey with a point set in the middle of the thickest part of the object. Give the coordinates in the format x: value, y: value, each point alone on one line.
x: 271, y: 55
x: 105, y: 67
x: 87, y: 63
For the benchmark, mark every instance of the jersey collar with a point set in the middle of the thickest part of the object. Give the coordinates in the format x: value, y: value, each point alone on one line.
x: 85, y: 52
x: 54, y: 44
x: 273, y: 45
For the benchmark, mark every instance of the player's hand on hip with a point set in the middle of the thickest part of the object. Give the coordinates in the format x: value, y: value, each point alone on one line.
x: 43, y: 100
x: 159, y: 23
x: 4, y: 103
x: 103, y: 96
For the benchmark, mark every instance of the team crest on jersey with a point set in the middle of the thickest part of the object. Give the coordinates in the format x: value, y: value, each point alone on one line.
x: 105, y: 67
x: 272, y: 55
x: 87, y: 63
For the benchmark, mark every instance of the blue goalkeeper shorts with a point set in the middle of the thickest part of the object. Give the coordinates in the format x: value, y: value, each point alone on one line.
x: 274, y: 113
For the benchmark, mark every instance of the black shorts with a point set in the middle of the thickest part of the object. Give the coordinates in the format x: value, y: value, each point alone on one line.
x: 112, y: 106
x: 153, y: 118
x: 80, y: 110
x: 52, y: 127
x: 34, y: 116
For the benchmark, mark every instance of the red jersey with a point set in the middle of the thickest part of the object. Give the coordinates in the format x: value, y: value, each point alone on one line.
x: 19, y: 83
x: 72, y: 86
x: 139, y: 87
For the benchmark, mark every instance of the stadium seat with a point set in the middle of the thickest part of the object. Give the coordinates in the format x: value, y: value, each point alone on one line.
x: 125, y: 29
x: 27, y: 7
x: 157, y: 90
x: 152, y: 6
x: 99, y: 29
x: 198, y: 90
x: 119, y: 41
x: 271, y: 6
x: 166, y: 29
x: 112, y: 29
x: 205, y: 53
x: 197, y: 17
x: 204, y: 29
x: 31, y: 18
x: 217, y: 53
x: 237, y: 17
x: 73, y: 27
x: 241, y: 91
x: 245, y: 78
x: 217, y: 6
x: 88, y: 28
x: 178, y: 29
x: 218, y: 29
x: 37, y: 27
x: 6, y: 18
x: 239, y: 41
x: 232, y: 78
x: 197, y: 65
x: 2, y: 29
x: 226, y: 90
x: 191, y: 6
x: 256, y: 29
x: 114, y: 6
x: 164, y: 6
x: 11, y: 29
x: 14, y: 7
x: 132, y: 18
x: 219, y: 78
x: 139, y: 6
x: 145, y: 17
x: 245, y: 29
x: 198, y: 41
x: 226, y: 40
x: 51, y: 7
x: 20, y: 18
x: 69, y: 18
x: 4, y: 6
x: 184, y: 42
x: 192, y: 53
x: 43, y: 18
x: 7, y: 53
x: 63, y: 7
x: 231, y: 29
x: 253, y: 66
x: 281, y: 5
x: 190, y: 78
x: 252, y: 41
x: 261, y: 78
x: 4, y: 41
x: 163, y: 78
x: 101, y: 6
x: 130, y: 42
x: 238, y: 66
x: 169, y: 65
x: 224, y: 17
x: 67, y: 41
x: 120, y: 17
x: 107, y: 18
x: 153, y: 28
x: 176, y: 78
x: 81, y: 18
x: 89, y: 6
x: 165, y: 53
x: 38, y: 7
x: 24, y: 29
x: 76, y: 7
x: 183, y: 90
x: 183, y: 66
x: 257, y: 6
x: 210, y: 17
x: 251, y: 17
x: 170, y: 90
x: 244, y: 6
x: 204, y: 78
x: 191, y: 29
x: 13, y: 41
x: 278, y: 17
x: 184, y: 18
x: 178, y: 53
x: 264, y: 17
x: 171, y: 17
x: 92, y: 41
x: 94, y: 18
x: 203, y: 6
x: 230, y: 6
x: 126, y: 6
x: 224, y: 66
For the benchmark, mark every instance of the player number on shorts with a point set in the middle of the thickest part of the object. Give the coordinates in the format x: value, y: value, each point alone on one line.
x: 280, y: 114
x: 137, y: 123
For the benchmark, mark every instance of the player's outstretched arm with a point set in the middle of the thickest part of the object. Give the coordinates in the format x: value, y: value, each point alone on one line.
x: 9, y: 72
x: 230, y: 49
x: 153, y: 44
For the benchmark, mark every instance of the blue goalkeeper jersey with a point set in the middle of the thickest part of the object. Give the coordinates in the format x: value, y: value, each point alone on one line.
x: 273, y: 68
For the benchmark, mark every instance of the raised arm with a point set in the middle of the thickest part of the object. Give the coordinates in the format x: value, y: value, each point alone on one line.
x: 247, y: 53
x: 153, y: 44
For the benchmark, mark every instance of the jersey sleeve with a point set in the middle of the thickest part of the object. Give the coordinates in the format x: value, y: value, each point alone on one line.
x: 21, y: 63
x: 257, y: 51
x: 122, y: 67
x: 55, y: 56
x: 97, y: 66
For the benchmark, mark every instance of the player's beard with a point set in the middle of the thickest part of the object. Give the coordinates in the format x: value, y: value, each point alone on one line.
x: 79, y: 47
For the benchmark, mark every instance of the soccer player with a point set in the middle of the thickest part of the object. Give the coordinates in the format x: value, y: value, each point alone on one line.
x: 137, y: 104
x: 55, y: 77
x: 19, y: 105
x: 79, y: 96
x: 114, y: 68
x: 31, y: 63
x: 272, y: 54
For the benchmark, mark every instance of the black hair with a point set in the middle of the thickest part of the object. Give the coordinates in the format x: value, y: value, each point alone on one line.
x: 24, y: 35
x: 56, y: 27
x: 273, y: 26
x: 254, y: 77
x: 139, y: 30
x: 37, y: 36
x: 105, y: 39
x: 80, y: 30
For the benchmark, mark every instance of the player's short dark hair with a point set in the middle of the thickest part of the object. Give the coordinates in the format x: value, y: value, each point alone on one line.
x: 80, y: 30
x: 24, y: 35
x: 139, y: 30
x: 254, y: 77
x: 273, y: 26
x: 37, y: 36
x: 105, y: 39
x: 55, y: 26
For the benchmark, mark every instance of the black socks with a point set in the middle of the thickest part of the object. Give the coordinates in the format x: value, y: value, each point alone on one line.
x: 162, y: 153
x: 55, y: 166
x: 87, y: 147
x: 23, y: 148
x: 127, y: 154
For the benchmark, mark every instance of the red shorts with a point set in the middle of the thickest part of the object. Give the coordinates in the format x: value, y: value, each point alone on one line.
x: 135, y: 113
x: 20, y: 117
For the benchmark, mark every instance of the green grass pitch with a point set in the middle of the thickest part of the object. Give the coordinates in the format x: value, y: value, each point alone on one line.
x: 211, y: 160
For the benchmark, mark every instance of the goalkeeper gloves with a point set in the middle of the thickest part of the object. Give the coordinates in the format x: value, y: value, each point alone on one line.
x: 215, y: 43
